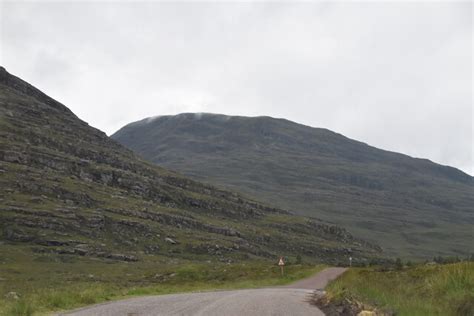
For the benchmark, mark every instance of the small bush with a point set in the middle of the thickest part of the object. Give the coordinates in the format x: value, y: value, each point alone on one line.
x: 465, y: 307
x: 298, y: 259
x: 398, y: 264
x: 21, y: 308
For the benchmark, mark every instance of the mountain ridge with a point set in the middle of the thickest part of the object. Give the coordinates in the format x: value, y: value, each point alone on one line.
x: 225, y: 117
x: 225, y: 148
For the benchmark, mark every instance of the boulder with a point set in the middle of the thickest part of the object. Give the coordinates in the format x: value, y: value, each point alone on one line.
x: 171, y: 241
x: 12, y: 296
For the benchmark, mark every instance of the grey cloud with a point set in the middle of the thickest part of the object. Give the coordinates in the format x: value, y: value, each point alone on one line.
x: 395, y: 75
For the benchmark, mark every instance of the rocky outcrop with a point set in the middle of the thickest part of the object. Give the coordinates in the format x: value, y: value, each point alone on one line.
x: 178, y: 221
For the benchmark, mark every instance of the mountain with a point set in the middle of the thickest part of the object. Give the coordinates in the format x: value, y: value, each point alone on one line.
x: 68, y: 190
x: 412, y: 207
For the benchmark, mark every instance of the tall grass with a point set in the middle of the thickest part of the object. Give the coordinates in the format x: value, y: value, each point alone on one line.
x: 419, y: 290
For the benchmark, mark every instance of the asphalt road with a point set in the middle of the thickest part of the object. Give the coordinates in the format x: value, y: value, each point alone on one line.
x: 288, y: 300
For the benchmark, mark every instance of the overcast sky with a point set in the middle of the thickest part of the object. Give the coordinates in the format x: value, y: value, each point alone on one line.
x: 396, y: 76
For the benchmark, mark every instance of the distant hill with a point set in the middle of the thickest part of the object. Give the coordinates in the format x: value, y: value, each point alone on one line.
x: 412, y: 207
x: 68, y: 190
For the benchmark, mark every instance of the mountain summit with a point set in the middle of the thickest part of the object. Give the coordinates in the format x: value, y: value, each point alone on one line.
x: 411, y: 206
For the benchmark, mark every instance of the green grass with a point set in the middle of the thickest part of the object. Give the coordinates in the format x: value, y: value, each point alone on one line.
x: 419, y: 290
x: 47, y: 283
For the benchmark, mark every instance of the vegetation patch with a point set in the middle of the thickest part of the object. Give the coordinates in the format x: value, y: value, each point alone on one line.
x: 434, y: 289
x: 44, y: 283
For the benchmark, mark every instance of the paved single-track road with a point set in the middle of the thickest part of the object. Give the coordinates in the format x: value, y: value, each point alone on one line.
x: 288, y: 300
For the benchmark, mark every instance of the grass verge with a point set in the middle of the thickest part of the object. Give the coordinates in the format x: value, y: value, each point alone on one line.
x: 418, y: 290
x: 45, y: 287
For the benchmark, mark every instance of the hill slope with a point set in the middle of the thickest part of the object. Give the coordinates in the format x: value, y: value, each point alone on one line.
x: 69, y: 190
x: 412, y: 207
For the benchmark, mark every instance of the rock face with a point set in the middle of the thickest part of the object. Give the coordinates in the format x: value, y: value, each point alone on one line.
x: 69, y: 190
x: 409, y: 206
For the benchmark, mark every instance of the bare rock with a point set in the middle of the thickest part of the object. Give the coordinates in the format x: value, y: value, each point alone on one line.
x: 171, y: 241
x: 12, y: 296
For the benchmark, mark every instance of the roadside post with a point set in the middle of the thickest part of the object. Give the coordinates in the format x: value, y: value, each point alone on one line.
x: 281, y: 263
x: 350, y: 261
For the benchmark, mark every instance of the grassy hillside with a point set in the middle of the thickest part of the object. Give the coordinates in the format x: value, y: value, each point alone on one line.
x: 412, y: 207
x: 419, y: 290
x: 50, y: 283
x: 74, y: 203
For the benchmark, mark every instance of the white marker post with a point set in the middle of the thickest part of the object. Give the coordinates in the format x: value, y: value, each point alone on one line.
x: 350, y: 261
x: 281, y: 263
